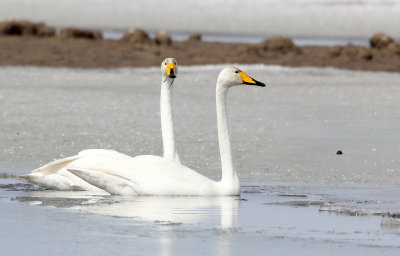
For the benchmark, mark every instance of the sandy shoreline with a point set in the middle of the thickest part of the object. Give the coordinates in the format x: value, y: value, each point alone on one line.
x: 87, y: 49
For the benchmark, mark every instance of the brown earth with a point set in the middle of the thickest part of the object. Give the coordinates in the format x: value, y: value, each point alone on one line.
x: 83, y: 48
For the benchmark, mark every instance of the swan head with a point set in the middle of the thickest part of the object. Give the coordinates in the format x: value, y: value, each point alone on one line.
x: 232, y: 76
x: 169, y: 68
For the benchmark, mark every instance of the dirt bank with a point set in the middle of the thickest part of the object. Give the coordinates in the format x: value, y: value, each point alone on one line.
x: 22, y: 43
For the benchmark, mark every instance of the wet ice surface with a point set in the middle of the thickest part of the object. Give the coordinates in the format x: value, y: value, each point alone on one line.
x: 289, y: 131
x: 297, y: 194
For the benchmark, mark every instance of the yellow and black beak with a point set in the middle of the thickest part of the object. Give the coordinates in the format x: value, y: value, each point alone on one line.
x: 171, y: 70
x: 250, y: 81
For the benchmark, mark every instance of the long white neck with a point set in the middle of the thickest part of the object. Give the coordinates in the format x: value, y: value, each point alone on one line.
x: 167, y: 126
x: 229, y: 177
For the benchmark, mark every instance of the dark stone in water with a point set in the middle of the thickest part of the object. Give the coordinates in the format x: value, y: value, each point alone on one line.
x: 339, y: 152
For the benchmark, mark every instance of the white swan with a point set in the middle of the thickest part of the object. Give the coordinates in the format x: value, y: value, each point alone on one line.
x: 169, y: 70
x: 152, y: 175
x: 54, y: 175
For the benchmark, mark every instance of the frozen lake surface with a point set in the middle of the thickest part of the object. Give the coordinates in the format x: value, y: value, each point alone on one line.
x: 289, y: 131
x: 297, y: 194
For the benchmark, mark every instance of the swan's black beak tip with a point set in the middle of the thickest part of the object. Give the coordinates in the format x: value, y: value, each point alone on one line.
x: 255, y: 83
x: 259, y: 84
x: 172, y: 74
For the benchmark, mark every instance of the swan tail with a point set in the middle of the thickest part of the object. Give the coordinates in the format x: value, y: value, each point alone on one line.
x: 113, y: 184
x: 56, y: 165
x: 51, y: 181
x: 46, y: 176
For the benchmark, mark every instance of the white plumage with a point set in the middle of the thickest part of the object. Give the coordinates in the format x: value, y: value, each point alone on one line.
x: 55, y: 176
x: 152, y: 175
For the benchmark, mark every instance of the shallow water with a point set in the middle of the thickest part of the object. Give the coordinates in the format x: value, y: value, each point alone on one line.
x: 271, y: 219
x: 116, y: 34
x: 297, y: 194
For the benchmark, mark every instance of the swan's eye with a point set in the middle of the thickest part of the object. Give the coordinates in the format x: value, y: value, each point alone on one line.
x: 236, y: 71
x: 165, y: 63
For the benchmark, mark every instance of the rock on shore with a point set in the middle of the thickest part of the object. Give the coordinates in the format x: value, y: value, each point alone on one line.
x: 163, y: 38
x: 25, y: 28
x: 380, y: 41
x: 137, y: 36
x: 80, y: 33
x: 196, y: 37
x: 354, y: 52
x: 279, y: 44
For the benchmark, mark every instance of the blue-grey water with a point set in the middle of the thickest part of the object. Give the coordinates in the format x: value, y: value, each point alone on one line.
x: 298, y: 197
x: 116, y: 34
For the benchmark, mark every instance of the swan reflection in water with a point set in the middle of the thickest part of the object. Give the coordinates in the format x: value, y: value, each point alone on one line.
x: 164, y: 211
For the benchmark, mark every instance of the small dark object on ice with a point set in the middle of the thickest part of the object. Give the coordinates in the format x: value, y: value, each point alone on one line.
x: 339, y: 152
x: 241, y: 199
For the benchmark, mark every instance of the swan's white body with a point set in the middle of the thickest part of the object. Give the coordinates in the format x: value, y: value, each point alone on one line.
x: 54, y: 175
x: 152, y: 175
